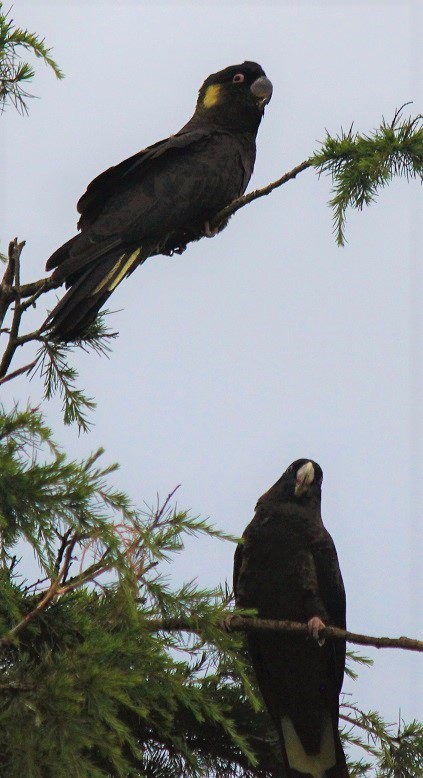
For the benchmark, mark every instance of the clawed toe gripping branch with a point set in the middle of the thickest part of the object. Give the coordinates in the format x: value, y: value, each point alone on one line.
x: 106, y: 667
x: 101, y: 620
x: 359, y: 166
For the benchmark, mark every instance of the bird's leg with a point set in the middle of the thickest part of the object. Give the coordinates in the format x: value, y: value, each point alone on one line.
x: 208, y: 232
x: 174, y: 250
x: 315, y: 624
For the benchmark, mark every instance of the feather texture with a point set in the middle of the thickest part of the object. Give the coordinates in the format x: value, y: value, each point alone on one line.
x: 287, y: 568
x: 161, y: 198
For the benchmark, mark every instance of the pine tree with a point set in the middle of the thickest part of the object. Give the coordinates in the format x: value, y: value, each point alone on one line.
x: 107, y: 668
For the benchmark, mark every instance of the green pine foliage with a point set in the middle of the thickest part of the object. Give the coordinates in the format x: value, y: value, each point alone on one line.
x: 89, y: 687
x: 14, y: 73
x: 108, y: 669
x: 360, y: 164
x: 59, y: 377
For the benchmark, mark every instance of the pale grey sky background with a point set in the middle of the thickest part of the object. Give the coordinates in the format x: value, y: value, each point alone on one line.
x: 267, y: 343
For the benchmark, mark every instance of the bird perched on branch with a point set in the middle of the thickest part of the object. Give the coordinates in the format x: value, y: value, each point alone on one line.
x: 287, y: 568
x: 162, y: 198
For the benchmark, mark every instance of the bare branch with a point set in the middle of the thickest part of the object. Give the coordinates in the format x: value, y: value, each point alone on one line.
x: 162, y: 508
x: 11, y: 289
x: 265, y: 190
x: 39, y: 287
x: 65, y: 542
x: 24, y: 369
x: 11, y: 276
x: 254, y: 624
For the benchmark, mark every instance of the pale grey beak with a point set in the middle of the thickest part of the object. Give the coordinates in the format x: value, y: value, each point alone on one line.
x: 305, y: 477
x: 262, y: 89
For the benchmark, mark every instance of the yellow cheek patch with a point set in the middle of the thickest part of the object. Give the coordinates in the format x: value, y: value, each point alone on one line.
x: 212, y: 96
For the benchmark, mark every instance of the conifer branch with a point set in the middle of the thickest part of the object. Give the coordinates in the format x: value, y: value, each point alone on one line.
x: 240, y: 202
x: 60, y: 378
x: 63, y: 642
x: 47, y: 598
x: 359, y: 166
x: 52, y: 592
x: 13, y: 271
x: 52, y: 360
x: 238, y: 623
x: 14, y: 73
x: 19, y: 371
x: 91, y: 573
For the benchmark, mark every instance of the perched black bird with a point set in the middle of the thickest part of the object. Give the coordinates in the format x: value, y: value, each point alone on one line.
x: 161, y: 198
x: 287, y: 568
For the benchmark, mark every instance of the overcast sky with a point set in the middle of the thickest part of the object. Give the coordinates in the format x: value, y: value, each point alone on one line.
x: 267, y: 343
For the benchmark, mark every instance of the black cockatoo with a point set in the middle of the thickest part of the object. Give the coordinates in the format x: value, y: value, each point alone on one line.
x: 161, y: 198
x: 287, y: 568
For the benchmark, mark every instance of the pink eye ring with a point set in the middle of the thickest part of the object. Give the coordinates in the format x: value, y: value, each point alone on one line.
x: 238, y: 78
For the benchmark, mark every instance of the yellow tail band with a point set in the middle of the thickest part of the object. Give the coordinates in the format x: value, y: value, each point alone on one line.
x: 116, y: 279
x: 317, y: 764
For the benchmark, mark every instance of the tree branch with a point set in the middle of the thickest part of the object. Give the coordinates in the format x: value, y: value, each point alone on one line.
x: 19, y: 371
x: 235, y: 205
x: 254, y: 624
x: 16, y: 686
x: 11, y: 289
x: 233, y: 623
x: 52, y: 592
x: 39, y: 287
x: 90, y: 574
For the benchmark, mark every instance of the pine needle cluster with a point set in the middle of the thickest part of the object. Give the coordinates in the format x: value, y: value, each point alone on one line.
x: 360, y: 164
x: 14, y: 73
x: 92, y: 667
x: 107, y: 668
x: 93, y: 684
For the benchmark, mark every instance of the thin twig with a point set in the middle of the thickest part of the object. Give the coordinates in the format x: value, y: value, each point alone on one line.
x: 355, y: 722
x: 24, y: 369
x: 51, y: 594
x: 161, y: 509
x: 34, y: 585
x: 39, y: 287
x: 94, y: 570
x: 62, y: 548
x: 63, y: 574
x: 31, y: 300
x: 265, y: 190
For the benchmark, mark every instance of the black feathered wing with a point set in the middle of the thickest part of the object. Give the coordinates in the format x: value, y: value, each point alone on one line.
x: 107, y: 183
x: 299, y: 680
x: 154, y: 202
x: 332, y: 593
